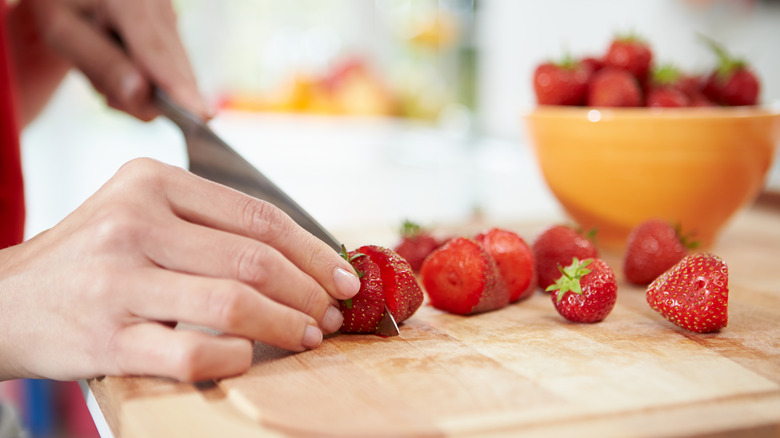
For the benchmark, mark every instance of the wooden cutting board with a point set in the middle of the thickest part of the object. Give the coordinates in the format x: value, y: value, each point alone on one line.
x: 519, y: 370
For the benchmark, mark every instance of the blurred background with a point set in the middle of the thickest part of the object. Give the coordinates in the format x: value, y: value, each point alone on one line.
x: 371, y: 112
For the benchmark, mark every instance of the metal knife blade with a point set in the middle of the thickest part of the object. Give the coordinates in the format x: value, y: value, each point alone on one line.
x: 213, y: 159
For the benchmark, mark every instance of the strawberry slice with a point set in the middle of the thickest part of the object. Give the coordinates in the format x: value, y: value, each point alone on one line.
x: 402, y: 293
x: 693, y: 294
x: 586, y: 292
x: 514, y: 259
x: 460, y: 277
x: 363, y: 312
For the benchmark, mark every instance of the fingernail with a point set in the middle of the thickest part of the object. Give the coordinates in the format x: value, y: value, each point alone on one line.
x: 312, y: 337
x: 347, y: 283
x: 332, y: 320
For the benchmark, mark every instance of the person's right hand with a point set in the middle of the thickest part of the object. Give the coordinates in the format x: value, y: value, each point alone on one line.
x: 99, y: 293
x: 84, y: 32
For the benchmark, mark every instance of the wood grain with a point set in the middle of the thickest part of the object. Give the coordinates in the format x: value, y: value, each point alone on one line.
x: 521, y: 369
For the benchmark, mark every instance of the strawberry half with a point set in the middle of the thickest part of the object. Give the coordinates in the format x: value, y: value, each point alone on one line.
x: 693, y: 294
x: 652, y: 248
x: 401, y: 291
x: 586, y: 291
x: 363, y: 312
x: 558, y: 245
x: 415, y: 245
x: 462, y: 278
x: 386, y: 280
x: 514, y: 259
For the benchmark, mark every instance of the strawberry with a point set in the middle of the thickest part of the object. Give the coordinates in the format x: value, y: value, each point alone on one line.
x: 363, y: 312
x: 630, y: 53
x: 402, y: 293
x: 558, y: 245
x: 732, y: 83
x: 693, y: 294
x: 586, y: 291
x: 386, y: 280
x: 461, y: 277
x: 514, y: 259
x: 667, y: 88
x: 563, y: 83
x: 653, y: 247
x: 415, y: 245
x: 592, y: 63
x: 614, y: 88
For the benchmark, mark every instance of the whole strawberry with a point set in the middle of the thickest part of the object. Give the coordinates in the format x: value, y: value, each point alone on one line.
x: 586, y: 291
x: 415, y: 245
x: 462, y: 278
x: 630, y: 53
x: 558, y: 245
x: 611, y: 87
x: 732, y: 83
x: 514, y: 259
x: 562, y: 83
x: 667, y: 88
x: 386, y: 281
x: 693, y: 294
x: 653, y: 247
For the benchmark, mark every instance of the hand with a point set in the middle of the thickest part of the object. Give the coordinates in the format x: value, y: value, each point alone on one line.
x: 99, y: 293
x: 83, y: 32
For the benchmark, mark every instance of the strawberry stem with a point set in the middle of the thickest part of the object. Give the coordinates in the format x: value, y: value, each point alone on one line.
x: 570, y: 280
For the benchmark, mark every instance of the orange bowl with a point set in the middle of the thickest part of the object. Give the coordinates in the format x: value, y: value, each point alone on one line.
x: 613, y: 168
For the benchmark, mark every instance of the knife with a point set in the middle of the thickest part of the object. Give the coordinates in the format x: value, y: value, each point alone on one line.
x: 213, y: 159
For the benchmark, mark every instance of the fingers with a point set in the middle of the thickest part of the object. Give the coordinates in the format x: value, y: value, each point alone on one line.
x: 102, y: 60
x: 216, y: 206
x: 149, y: 30
x: 196, y: 249
x: 153, y: 349
x: 228, y: 306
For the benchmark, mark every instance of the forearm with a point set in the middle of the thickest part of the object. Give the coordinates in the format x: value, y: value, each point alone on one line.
x: 39, y: 70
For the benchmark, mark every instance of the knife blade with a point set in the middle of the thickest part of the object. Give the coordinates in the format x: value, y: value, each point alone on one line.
x: 211, y: 158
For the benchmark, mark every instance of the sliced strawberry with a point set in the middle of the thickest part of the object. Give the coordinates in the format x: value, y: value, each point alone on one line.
x: 653, y: 247
x: 693, y: 294
x: 558, y: 245
x: 586, y: 291
x: 460, y: 277
x: 514, y: 259
x: 402, y: 293
x: 363, y: 312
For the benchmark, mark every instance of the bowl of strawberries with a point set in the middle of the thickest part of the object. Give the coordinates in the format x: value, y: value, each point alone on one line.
x: 619, y: 141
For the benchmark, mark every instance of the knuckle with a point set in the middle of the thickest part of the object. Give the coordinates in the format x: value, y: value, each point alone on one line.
x: 253, y: 265
x: 141, y: 171
x: 117, y: 227
x: 263, y: 220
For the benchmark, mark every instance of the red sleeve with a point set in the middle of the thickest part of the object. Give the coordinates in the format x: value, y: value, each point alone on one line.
x: 11, y: 183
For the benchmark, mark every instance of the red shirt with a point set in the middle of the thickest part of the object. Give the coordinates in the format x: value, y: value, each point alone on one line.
x: 11, y: 184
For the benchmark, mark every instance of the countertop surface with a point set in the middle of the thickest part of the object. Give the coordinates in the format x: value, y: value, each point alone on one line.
x: 521, y: 370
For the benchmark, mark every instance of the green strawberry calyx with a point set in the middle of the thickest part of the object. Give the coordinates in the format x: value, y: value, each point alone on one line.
x: 570, y: 278
x: 666, y: 74
x: 727, y: 63
x: 410, y: 229
x: 686, y: 239
x: 345, y: 255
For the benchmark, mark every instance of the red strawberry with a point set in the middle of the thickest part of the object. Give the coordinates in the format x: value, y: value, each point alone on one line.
x: 402, y: 293
x: 667, y: 97
x: 386, y: 279
x: 415, y: 245
x: 631, y: 54
x: 693, y: 294
x: 561, y: 84
x: 732, y: 83
x: 460, y: 277
x: 586, y: 291
x: 613, y: 88
x: 667, y: 88
x: 653, y: 247
x: 592, y: 63
x: 363, y: 312
x: 514, y: 259
x: 558, y: 245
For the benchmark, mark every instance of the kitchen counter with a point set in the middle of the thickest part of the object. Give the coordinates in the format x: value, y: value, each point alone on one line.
x: 521, y: 370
